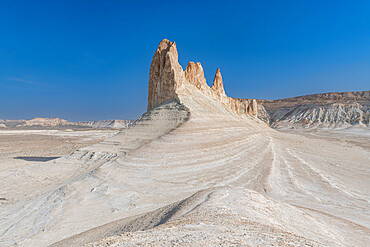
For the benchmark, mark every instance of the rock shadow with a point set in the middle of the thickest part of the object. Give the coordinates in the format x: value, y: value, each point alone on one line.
x: 35, y: 158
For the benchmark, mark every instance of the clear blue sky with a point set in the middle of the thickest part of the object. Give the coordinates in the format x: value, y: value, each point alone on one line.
x: 89, y: 60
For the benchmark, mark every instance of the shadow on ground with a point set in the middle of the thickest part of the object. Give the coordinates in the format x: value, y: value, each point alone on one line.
x: 35, y: 158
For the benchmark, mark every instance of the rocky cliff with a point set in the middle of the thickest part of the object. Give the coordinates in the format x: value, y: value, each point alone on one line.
x: 167, y: 80
x: 326, y: 110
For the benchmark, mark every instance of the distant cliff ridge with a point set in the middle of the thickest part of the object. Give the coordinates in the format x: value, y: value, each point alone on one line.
x: 62, y: 123
x: 325, y: 110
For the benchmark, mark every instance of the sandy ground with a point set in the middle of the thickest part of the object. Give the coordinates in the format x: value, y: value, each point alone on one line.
x: 194, y: 174
x: 19, y: 148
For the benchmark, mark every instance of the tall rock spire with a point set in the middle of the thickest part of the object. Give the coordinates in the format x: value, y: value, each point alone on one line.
x: 218, y: 86
x: 166, y: 75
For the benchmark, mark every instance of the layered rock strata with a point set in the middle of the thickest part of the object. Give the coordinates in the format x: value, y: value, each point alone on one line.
x: 37, y: 121
x: 327, y: 110
x: 114, y: 124
x: 167, y: 79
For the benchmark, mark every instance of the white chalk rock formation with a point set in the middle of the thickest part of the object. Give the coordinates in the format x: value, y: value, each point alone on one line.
x: 46, y: 122
x: 167, y: 80
x: 329, y: 110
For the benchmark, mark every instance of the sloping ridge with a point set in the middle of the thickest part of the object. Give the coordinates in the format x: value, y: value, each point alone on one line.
x: 115, y: 124
x: 137, y: 223
x: 220, y: 216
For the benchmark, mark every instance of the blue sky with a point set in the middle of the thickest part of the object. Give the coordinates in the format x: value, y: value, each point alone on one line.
x: 89, y: 60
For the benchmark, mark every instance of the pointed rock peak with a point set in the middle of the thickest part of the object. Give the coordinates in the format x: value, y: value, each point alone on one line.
x: 165, y: 43
x: 194, y: 68
x: 167, y: 46
x: 194, y: 74
x: 218, y: 84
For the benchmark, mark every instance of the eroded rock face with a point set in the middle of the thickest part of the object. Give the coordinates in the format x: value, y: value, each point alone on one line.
x: 326, y: 110
x: 167, y: 79
x: 218, y: 87
x: 252, y: 108
x: 194, y: 74
x: 166, y: 75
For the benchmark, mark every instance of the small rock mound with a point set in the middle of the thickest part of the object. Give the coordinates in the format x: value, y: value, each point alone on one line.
x: 46, y: 122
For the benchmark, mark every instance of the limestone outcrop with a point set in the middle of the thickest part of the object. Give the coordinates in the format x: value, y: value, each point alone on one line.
x: 166, y: 75
x: 167, y: 79
x: 195, y: 75
x: 52, y: 122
